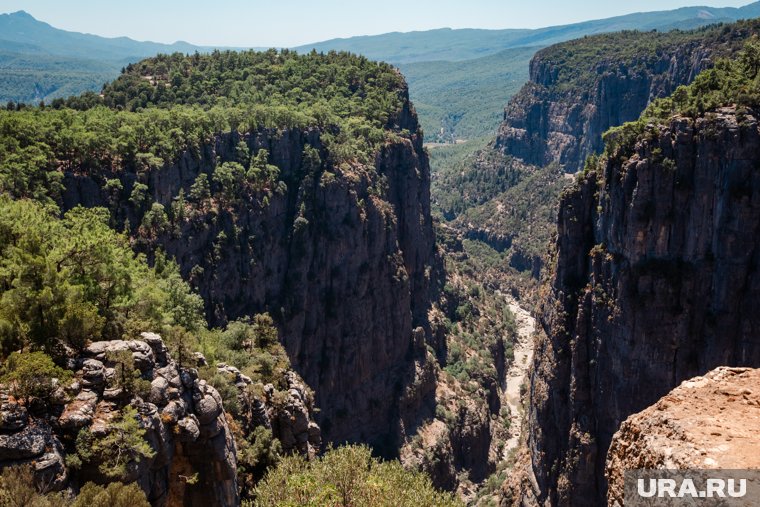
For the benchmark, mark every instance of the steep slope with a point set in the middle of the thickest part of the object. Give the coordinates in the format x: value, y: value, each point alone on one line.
x: 654, y: 278
x: 277, y: 204
x: 463, y: 100
x: 460, y: 79
x: 183, y: 419
x: 579, y: 89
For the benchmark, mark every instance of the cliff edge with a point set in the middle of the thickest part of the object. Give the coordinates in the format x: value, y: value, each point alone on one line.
x: 707, y: 422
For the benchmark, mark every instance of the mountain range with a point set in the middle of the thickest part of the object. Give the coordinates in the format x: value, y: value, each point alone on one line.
x: 459, y: 78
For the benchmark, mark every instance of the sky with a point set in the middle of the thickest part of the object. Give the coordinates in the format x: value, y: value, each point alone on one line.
x: 287, y: 23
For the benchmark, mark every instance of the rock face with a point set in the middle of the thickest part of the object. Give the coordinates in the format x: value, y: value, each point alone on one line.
x: 183, y: 418
x: 291, y: 421
x: 556, y: 119
x: 709, y: 422
x: 656, y: 280
x: 577, y: 91
x: 341, y: 257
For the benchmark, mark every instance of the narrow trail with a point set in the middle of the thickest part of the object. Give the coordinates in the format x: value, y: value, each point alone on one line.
x: 518, y: 370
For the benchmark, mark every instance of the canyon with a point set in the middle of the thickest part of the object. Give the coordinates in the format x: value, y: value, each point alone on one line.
x: 652, y: 282
x: 393, y: 336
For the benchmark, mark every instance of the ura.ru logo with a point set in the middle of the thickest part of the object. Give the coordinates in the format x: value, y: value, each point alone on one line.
x: 714, y: 488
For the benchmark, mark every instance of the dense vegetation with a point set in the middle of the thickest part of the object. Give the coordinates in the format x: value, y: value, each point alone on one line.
x: 348, y: 475
x: 464, y: 180
x: 17, y: 489
x: 73, y: 280
x: 68, y: 279
x: 165, y: 105
x: 459, y: 79
x: 465, y: 99
x: 525, y: 212
x: 575, y: 64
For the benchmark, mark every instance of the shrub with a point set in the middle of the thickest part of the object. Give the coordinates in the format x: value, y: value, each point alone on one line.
x: 348, y: 475
x: 33, y: 375
x: 123, y: 445
x: 115, y: 494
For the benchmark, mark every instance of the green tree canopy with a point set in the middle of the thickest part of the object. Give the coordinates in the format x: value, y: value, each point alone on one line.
x: 74, y: 279
x: 348, y: 475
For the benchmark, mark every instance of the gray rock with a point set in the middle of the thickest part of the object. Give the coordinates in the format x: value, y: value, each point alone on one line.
x: 158, y: 391
x: 13, y: 415
x: 188, y: 430
x: 207, y: 408
x: 50, y: 470
x: 27, y: 443
x: 173, y: 412
x: 158, y: 347
x: 213, y: 428
x: 141, y: 352
x: 80, y: 411
x: 188, y: 377
x: 92, y: 374
x: 171, y: 374
x: 200, y: 359
x: 315, y: 434
x: 113, y: 393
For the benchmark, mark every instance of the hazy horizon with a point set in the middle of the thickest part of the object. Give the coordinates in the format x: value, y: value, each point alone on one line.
x: 255, y: 24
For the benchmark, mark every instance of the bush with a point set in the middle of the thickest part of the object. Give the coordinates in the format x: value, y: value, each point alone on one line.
x: 75, y: 280
x: 33, y: 375
x: 348, y: 475
x: 126, y: 376
x: 122, y: 446
x: 115, y: 494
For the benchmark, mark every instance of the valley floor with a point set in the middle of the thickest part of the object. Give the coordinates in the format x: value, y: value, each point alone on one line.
x: 517, y: 375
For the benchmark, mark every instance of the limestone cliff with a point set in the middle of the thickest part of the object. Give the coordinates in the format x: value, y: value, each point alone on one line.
x: 342, y: 257
x: 655, y: 280
x: 579, y: 89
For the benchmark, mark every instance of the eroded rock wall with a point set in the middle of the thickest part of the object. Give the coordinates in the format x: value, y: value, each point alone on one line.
x: 655, y: 280
x: 342, y: 257
x: 183, y: 417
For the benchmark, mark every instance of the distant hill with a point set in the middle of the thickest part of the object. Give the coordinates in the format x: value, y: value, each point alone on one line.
x: 466, y: 44
x: 459, y: 79
x: 465, y: 98
x: 21, y: 28
x: 41, y: 62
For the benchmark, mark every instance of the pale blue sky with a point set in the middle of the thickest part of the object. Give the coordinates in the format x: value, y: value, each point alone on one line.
x: 283, y: 23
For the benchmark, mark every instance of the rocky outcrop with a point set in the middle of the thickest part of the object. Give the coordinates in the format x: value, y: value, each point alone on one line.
x: 183, y: 417
x: 655, y: 281
x: 342, y: 258
x: 457, y: 449
x: 561, y: 113
x: 291, y: 420
x: 709, y: 422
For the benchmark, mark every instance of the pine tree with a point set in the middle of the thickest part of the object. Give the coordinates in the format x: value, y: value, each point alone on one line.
x: 124, y: 444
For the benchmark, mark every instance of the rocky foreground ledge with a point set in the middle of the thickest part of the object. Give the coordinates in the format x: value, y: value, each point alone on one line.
x: 194, y: 452
x: 709, y: 422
